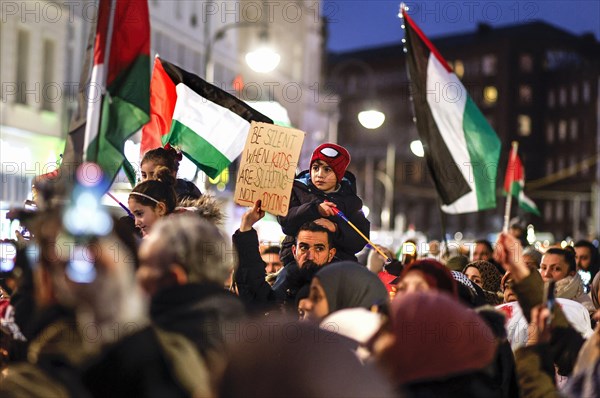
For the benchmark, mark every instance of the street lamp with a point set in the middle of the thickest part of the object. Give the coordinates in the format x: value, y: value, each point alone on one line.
x: 262, y: 60
x: 417, y: 149
x: 371, y: 119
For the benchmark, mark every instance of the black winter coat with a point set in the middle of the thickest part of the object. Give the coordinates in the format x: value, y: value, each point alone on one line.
x: 303, y: 208
x: 201, y: 312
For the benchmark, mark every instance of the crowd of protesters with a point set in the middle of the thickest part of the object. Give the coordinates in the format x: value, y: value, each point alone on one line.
x: 162, y: 303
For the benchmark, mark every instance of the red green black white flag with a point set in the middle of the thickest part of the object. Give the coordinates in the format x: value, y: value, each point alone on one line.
x: 514, y: 182
x: 206, y: 123
x: 119, y: 98
x: 461, y: 148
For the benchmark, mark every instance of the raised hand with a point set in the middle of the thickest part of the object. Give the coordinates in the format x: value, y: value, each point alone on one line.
x: 509, y: 253
x: 251, y: 216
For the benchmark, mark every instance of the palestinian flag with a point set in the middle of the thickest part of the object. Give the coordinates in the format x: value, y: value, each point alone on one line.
x: 461, y: 148
x: 514, y: 182
x: 206, y: 123
x: 162, y: 104
x: 119, y: 98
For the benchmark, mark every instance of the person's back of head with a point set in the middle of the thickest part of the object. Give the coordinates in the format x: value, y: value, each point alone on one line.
x: 167, y: 157
x: 297, y: 359
x: 435, y: 344
x: 196, y: 245
x: 532, y: 257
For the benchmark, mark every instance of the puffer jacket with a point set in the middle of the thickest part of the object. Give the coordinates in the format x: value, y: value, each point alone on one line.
x: 303, y: 208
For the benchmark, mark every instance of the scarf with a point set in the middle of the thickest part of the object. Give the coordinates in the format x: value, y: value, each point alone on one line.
x: 569, y: 287
x: 348, y: 284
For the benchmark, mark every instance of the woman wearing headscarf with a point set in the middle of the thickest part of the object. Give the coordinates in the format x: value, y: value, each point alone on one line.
x: 342, y: 285
x: 487, y: 276
x: 434, y: 346
x: 426, y: 274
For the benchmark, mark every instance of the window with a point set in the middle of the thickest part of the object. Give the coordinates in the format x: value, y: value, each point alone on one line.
x: 559, y: 210
x: 22, y: 64
x: 490, y: 95
x: 549, y: 133
x: 586, y: 91
x: 572, y: 162
x: 574, y: 94
x: 526, y: 63
x: 525, y: 94
x: 459, y: 68
x: 50, y: 95
x: 548, y: 210
x: 181, y: 55
x: 549, y: 166
x: 562, y: 130
x: 562, y: 96
x: 551, y: 99
x: 524, y: 125
x: 560, y: 164
x: 351, y: 84
x: 574, y: 127
x: 178, y: 13
x: 472, y: 67
x: 488, y: 65
x: 198, y: 66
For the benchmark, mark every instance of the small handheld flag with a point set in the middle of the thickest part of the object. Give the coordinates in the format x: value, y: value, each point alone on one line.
x: 373, y: 245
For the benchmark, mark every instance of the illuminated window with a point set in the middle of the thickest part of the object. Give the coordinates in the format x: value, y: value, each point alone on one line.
x: 574, y: 94
x: 459, y: 68
x: 586, y: 91
x: 574, y: 129
x: 562, y: 130
x: 490, y: 95
x: 49, y: 95
x: 488, y: 65
x: 526, y: 63
x: 550, y: 133
x: 524, y: 125
x: 525, y: 94
x: 559, y: 210
x: 548, y: 210
x: 562, y: 96
x: 22, y: 65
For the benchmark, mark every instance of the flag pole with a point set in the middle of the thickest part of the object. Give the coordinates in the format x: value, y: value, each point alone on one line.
x: 110, y: 195
x: 373, y: 245
x: 511, y: 161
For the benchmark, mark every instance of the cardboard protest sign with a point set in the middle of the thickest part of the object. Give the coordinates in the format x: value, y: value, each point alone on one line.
x: 268, y: 166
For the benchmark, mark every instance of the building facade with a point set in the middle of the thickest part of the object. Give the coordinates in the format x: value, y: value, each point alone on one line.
x: 535, y: 83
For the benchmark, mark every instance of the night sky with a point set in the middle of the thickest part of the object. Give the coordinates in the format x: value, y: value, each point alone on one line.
x: 360, y: 23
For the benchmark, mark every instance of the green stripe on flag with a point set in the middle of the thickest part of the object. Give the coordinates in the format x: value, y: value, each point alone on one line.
x: 119, y: 120
x: 196, y: 147
x: 524, y: 202
x: 133, y: 84
x: 484, y: 147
